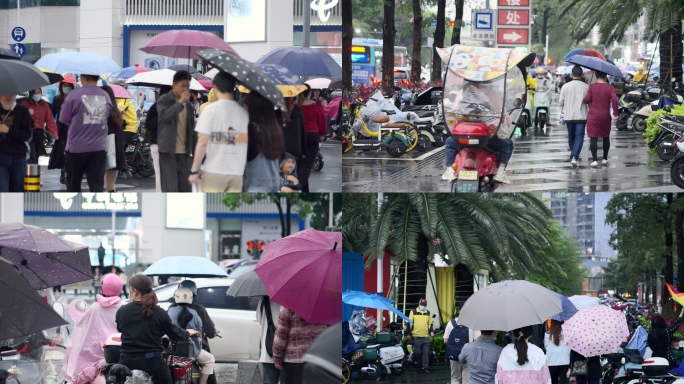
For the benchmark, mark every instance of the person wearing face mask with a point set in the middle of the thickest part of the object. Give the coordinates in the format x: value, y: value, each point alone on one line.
x: 15, y: 129
x: 57, y: 153
x: 421, y: 331
x: 41, y: 113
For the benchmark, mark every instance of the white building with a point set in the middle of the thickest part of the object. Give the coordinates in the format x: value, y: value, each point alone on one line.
x: 118, y: 28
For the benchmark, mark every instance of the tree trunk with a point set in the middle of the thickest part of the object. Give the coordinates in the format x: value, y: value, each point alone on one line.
x: 347, y: 36
x: 670, y: 47
x: 388, y: 32
x: 668, y: 310
x: 456, y: 34
x: 278, y: 203
x: 544, y: 32
x: 679, y: 235
x: 416, y: 280
x: 464, y: 285
x: 288, y: 223
x: 439, y: 42
x: 417, y: 37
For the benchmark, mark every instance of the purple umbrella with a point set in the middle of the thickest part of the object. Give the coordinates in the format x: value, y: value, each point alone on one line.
x: 184, y: 43
x: 24, y: 311
x: 42, y: 257
x: 303, y: 272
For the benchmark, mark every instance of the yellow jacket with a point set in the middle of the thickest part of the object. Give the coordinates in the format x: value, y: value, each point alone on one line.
x: 210, y: 99
x: 640, y: 77
x: 130, y: 116
x: 422, y: 323
x: 531, y: 84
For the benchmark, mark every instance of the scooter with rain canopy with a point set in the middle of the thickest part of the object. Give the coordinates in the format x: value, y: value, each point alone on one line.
x: 484, y: 90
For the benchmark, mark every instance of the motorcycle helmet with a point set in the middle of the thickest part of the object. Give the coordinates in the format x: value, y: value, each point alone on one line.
x: 541, y: 72
x: 357, y: 325
x: 112, y: 348
x: 111, y: 285
x: 190, y: 285
x: 183, y: 296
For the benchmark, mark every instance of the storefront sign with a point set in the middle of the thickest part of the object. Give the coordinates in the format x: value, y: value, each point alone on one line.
x: 324, y: 12
x: 98, y: 201
x: 245, y: 21
x: 322, y: 7
x: 185, y: 210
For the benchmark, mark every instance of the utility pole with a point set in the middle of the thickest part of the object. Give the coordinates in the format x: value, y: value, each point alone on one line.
x: 546, y: 50
x: 306, y: 23
x: 379, y: 265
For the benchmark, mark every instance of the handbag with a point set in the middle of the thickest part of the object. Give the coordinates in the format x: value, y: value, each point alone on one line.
x: 270, y: 331
x: 579, y: 368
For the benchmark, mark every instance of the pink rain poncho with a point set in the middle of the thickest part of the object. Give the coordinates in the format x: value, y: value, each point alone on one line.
x: 90, y: 332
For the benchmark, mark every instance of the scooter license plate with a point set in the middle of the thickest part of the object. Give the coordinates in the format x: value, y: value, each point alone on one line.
x: 467, y: 175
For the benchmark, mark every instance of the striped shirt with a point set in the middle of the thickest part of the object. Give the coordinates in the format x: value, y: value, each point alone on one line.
x: 481, y: 356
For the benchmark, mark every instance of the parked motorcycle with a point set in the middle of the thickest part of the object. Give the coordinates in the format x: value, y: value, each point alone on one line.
x: 542, y: 103
x: 671, y: 129
x: 428, y: 106
x: 138, y: 154
x: 654, y: 370
x: 475, y: 109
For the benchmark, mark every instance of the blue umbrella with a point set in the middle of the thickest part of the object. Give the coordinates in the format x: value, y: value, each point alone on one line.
x: 595, y: 64
x: 185, y: 266
x: 371, y: 300
x: 78, y: 62
x: 305, y: 62
x: 568, y: 70
x: 568, y: 309
x: 128, y: 72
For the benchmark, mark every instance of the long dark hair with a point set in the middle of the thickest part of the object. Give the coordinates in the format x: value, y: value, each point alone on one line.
x: 658, y: 330
x: 520, y: 343
x: 185, y: 316
x: 555, y: 331
x: 262, y: 118
x: 149, y: 301
x: 114, y: 115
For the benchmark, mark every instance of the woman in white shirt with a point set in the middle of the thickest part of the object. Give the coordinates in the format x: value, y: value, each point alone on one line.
x: 522, y: 362
x: 557, y: 353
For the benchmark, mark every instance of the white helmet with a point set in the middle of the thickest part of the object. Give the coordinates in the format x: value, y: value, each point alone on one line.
x: 183, y: 296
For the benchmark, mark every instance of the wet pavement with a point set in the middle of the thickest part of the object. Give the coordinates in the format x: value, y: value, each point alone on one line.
x: 439, y: 374
x: 327, y: 180
x: 540, y: 162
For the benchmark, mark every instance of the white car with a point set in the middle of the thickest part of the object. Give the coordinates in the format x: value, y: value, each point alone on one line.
x: 234, y: 317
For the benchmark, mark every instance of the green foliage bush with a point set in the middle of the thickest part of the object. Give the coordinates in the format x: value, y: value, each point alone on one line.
x: 652, y: 128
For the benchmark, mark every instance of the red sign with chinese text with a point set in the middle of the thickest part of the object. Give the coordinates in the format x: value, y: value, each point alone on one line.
x: 514, y: 3
x: 513, y: 17
x: 516, y: 36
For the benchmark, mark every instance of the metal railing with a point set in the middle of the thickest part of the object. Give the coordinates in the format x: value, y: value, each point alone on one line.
x: 174, y: 12
x: 214, y: 204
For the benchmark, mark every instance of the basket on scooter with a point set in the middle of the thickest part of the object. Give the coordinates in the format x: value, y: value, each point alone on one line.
x: 181, y: 370
x: 471, y: 134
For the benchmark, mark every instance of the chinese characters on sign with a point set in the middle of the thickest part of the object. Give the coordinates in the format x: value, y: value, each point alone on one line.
x: 482, y: 36
x: 513, y: 17
x: 513, y: 13
x: 514, y: 3
x: 99, y: 201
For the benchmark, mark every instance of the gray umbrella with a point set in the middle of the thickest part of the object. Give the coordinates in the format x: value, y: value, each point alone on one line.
x: 509, y: 305
x: 24, y: 311
x: 247, y: 285
x: 18, y: 76
x: 43, y: 258
x: 322, y: 359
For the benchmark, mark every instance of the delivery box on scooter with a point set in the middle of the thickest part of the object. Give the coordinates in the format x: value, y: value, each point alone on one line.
x: 634, y: 96
x: 655, y: 366
x: 383, y: 337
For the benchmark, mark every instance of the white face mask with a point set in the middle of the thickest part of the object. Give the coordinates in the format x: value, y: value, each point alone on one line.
x: 66, y: 90
x: 10, y: 106
x: 422, y: 307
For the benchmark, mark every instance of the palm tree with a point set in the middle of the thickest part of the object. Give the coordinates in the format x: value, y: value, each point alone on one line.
x: 347, y: 36
x: 417, y: 37
x: 388, y: 34
x: 470, y: 232
x: 663, y: 17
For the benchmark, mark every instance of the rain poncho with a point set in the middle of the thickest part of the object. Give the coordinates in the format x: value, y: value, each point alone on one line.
x: 374, y: 107
x: 90, y: 333
x: 638, y: 341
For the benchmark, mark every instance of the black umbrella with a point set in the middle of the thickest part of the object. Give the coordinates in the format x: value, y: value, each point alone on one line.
x: 184, y: 67
x: 17, y: 76
x: 335, y: 82
x: 8, y: 54
x: 247, y: 73
x: 24, y: 311
x: 247, y: 285
x: 322, y: 359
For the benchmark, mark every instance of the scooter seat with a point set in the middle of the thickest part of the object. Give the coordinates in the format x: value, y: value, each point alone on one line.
x: 679, y: 119
x: 381, y: 119
x: 423, y: 120
x: 394, y: 125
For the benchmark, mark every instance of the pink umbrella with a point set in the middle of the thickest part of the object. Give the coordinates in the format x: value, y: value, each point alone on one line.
x: 333, y: 107
x: 206, y: 84
x: 303, y: 272
x: 184, y: 43
x: 595, y: 331
x: 120, y: 92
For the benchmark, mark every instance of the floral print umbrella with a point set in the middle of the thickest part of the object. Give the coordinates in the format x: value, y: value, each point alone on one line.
x: 43, y: 258
x: 595, y: 331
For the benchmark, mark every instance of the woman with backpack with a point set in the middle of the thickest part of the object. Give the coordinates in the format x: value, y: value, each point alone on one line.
x: 267, y: 313
x: 187, y: 318
x: 455, y: 337
x: 557, y: 353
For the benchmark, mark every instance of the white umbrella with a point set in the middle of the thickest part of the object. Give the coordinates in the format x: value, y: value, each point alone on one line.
x: 161, y: 77
x: 509, y: 305
x: 212, y: 73
x: 319, y: 83
x: 581, y: 302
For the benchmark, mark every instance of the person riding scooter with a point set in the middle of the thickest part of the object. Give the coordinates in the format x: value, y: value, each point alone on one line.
x: 640, y: 77
x: 542, y: 99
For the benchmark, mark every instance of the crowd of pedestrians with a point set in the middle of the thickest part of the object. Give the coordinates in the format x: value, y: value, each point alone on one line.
x: 221, y: 145
x: 595, y: 121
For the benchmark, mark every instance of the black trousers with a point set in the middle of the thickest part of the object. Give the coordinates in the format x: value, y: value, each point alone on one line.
x: 37, y: 145
x: 175, y: 171
x: 155, y: 366
x: 293, y: 373
x: 559, y: 374
x: 593, y: 146
x: 312, y: 142
x: 93, y: 164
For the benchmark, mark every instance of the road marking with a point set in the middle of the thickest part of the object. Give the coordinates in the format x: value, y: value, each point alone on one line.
x: 421, y: 157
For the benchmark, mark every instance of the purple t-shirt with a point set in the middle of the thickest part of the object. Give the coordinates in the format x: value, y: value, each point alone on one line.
x: 86, y: 110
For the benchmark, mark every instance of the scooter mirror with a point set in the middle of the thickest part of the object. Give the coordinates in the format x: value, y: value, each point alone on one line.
x: 517, y: 103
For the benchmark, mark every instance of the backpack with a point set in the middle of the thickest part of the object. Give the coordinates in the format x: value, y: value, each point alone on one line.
x: 458, y: 337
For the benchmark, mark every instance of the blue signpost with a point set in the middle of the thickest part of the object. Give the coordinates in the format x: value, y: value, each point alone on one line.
x: 19, y: 49
x: 18, y: 34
